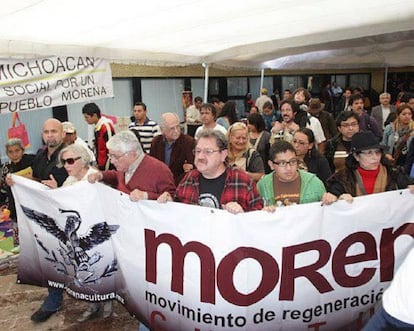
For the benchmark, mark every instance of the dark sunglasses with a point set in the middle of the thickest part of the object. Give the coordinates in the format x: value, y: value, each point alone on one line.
x: 70, y: 160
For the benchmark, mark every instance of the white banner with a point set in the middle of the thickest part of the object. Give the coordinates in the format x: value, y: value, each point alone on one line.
x: 28, y: 84
x: 183, y: 267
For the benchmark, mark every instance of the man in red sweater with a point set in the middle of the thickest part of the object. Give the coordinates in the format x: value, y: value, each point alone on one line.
x: 137, y: 174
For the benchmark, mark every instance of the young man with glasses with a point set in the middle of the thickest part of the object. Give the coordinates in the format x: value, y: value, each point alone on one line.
x: 286, y: 184
x: 338, y: 148
x: 213, y: 184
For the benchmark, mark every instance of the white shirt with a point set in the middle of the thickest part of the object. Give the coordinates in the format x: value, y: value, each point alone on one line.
x: 398, y: 299
x: 316, y: 127
x: 70, y: 180
x: 385, y: 112
x: 192, y: 114
x: 218, y: 127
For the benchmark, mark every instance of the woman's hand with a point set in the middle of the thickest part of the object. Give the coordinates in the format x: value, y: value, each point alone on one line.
x: 328, y: 198
x: 9, y: 180
x: 347, y: 197
x: 52, y: 183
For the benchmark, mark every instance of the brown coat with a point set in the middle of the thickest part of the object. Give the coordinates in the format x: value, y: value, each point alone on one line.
x: 181, y: 153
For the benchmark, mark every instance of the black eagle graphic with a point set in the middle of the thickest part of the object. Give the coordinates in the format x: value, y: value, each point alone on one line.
x: 73, y: 246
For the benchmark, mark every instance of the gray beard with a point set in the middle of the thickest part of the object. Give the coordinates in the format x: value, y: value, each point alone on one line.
x: 52, y: 144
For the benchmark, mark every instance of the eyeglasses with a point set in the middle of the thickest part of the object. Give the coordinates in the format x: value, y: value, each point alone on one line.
x: 70, y: 160
x: 283, y: 163
x: 206, y: 151
x: 349, y: 125
x: 116, y: 157
x: 302, y: 143
x: 371, y: 152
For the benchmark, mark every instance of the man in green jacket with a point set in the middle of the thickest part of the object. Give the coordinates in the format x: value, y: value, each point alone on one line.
x: 286, y: 184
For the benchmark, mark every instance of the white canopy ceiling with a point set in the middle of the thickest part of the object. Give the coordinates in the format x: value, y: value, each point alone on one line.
x: 284, y: 34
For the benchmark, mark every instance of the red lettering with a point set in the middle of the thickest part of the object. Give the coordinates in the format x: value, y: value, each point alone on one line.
x: 178, y: 252
x: 270, y: 268
x: 289, y: 272
x: 225, y: 271
x: 387, y: 257
x: 316, y: 326
x: 154, y: 325
x: 340, y: 259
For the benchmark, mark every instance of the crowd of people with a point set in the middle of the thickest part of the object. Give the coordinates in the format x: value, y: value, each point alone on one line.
x: 287, y: 151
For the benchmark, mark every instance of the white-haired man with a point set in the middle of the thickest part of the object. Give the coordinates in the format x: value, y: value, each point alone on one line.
x: 381, y: 112
x: 137, y: 174
x: 173, y: 147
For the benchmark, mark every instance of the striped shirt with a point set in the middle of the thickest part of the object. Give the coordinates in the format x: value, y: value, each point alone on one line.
x: 145, y: 132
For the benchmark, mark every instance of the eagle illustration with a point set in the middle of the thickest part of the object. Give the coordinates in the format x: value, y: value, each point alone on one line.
x: 73, y: 247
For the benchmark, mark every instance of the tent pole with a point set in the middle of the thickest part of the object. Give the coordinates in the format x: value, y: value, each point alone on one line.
x: 386, y: 79
x: 205, y: 65
x: 261, y: 80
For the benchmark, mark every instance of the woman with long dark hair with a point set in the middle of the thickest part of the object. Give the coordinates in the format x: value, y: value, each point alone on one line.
x: 228, y: 114
x: 308, y: 156
x: 259, y: 138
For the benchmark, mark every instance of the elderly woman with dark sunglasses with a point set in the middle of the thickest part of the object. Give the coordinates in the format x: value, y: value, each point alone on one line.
x: 76, y: 160
x: 367, y: 171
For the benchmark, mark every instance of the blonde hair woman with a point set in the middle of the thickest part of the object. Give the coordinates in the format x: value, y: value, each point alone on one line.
x: 240, y: 152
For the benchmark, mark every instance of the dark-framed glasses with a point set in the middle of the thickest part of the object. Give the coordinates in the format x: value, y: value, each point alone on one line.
x: 284, y: 163
x: 206, y: 151
x: 70, y: 160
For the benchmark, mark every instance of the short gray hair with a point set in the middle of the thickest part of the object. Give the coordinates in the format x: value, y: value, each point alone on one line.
x: 79, y: 150
x: 220, y: 138
x: 14, y: 142
x: 163, y: 120
x: 385, y: 94
x: 125, y: 141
